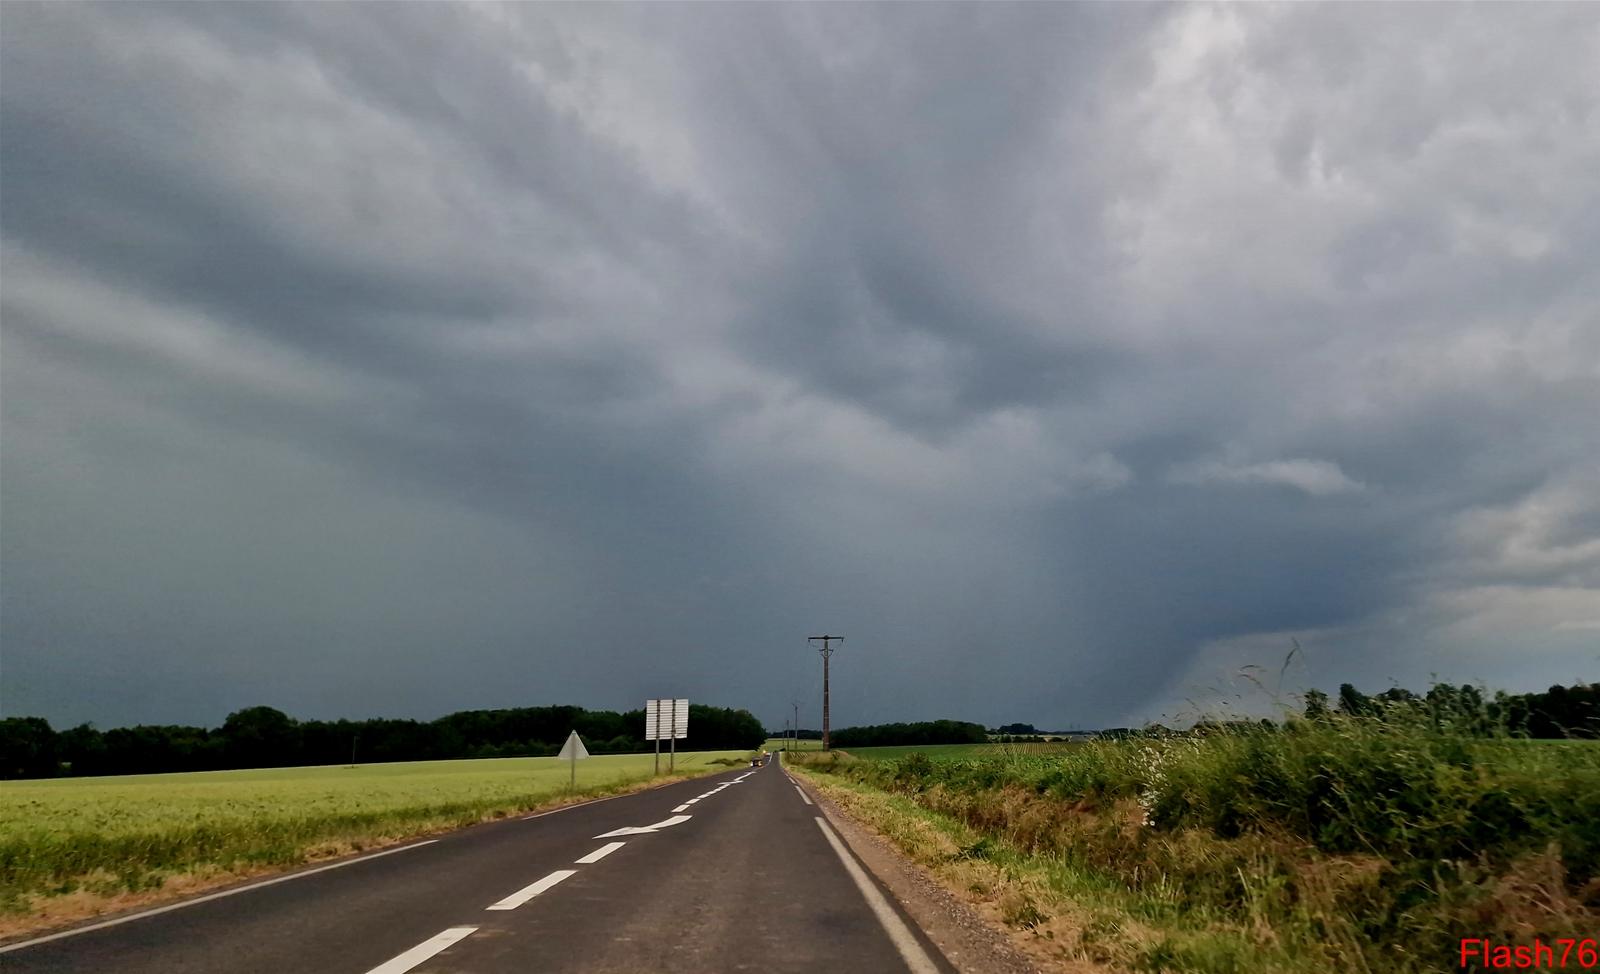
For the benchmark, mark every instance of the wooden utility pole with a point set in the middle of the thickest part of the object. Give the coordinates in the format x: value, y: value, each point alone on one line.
x: 826, y: 651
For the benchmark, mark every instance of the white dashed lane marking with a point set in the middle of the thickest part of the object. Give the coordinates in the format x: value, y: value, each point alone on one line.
x: 421, y: 952
x: 601, y: 853
x: 531, y: 890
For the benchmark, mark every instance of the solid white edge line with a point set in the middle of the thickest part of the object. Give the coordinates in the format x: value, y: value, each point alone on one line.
x: 531, y: 890
x: 803, y: 796
x: 421, y: 952
x: 904, y: 941
x: 568, y: 808
x: 601, y: 853
x: 593, y: 801
x: 207, y: 898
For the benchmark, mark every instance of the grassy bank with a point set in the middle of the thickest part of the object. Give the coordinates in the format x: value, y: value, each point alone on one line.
x: 105, y: 837
x: 1342, y: 843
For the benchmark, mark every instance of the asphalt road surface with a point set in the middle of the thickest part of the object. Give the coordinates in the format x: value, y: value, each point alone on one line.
x: 732, y: 872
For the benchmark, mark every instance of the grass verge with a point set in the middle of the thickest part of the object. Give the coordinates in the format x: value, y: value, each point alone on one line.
x: 1062, y: 916
x: 1317, y: 846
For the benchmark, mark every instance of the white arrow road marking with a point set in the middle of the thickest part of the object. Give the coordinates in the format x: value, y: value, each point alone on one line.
x: 638, y: 830
x: 421, y: 952
x: 528, y: 892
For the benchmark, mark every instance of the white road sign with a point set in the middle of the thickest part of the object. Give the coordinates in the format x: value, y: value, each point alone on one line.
x: 666, y: 720
x: 573, y: 750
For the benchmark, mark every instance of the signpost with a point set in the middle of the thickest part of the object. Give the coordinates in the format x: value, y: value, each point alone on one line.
x: 574, y: 751
x: 666, y: 719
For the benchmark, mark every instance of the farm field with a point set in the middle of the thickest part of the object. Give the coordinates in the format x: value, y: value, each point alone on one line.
x: 114, y: 835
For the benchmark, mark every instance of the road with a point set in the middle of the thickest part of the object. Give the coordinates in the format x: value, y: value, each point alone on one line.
x: 731, y: 872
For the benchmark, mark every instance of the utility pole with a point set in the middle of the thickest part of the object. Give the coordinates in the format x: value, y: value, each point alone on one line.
x: 796, y: 724
x: 826, y: 651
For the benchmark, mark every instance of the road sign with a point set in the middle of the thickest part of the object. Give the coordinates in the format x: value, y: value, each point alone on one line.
x: 572, y: 752
x: 666, y: 719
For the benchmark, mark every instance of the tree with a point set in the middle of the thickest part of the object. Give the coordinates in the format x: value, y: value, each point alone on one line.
x: 1353, y: 702
x: 260, y: 737
x: 27, y: 748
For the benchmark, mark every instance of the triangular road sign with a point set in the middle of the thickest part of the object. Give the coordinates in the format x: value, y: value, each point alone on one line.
x: 573, y: 750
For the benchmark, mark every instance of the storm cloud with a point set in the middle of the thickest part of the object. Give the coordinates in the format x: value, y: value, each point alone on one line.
x: 1071, y: 360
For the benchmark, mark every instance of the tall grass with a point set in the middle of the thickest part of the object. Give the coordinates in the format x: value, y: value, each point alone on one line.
x: 1349, y: 840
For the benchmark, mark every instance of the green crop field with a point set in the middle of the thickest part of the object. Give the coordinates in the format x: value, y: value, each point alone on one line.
x: 116, y: 834
x: 778, y: 744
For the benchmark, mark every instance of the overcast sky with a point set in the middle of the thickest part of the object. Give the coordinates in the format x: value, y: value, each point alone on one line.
x: 394, y: 359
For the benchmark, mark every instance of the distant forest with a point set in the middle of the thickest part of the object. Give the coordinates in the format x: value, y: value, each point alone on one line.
x: 919, y: 733
x: 261, y: 737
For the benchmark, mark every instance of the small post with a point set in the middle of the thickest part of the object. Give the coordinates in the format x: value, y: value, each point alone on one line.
x: 672, y: 729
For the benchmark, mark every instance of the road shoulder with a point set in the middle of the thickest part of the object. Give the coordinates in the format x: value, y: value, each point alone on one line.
x: 970, y: 943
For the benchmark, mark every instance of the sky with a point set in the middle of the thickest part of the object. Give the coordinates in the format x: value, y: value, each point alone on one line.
x: 1075, y: 362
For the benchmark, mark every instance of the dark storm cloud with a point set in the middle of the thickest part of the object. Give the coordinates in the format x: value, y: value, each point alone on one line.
x: 400, y: 359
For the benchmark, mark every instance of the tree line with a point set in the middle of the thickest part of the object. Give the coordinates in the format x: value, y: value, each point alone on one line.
x: 1558, y: 712
x: 918, y: 733
x: 262, y: 737
x: 801, y: 734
